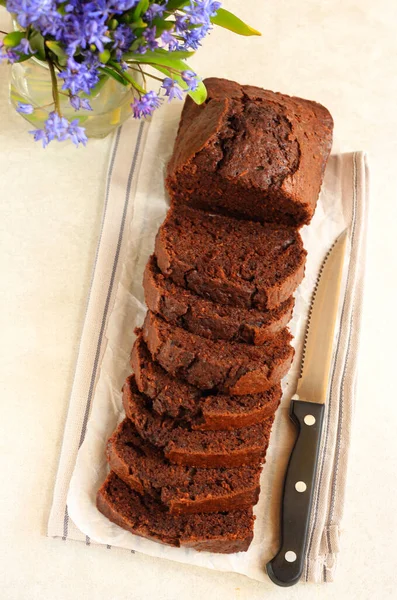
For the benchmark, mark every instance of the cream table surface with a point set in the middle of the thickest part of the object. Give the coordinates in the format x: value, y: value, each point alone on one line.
x: 340, y: 52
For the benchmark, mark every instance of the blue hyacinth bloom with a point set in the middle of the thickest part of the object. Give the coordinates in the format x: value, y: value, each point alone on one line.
x: 24, y: 109
x: 146, y: 105
x: 172, y: 89
x: 191, y: 79
x: 60, y: 129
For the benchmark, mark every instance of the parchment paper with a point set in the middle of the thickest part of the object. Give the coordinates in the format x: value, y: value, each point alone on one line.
x: 334, y: 213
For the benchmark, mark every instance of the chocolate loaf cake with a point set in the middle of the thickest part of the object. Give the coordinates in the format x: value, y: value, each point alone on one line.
x: 208, y: 361
x: 190, y: 405
x: 251, y: 153
x: 207, y: 449
x: 240, y: 263
x: 225, y: 532
x: 182, y: 489
x: 228, y: 367
x: 203, y: 317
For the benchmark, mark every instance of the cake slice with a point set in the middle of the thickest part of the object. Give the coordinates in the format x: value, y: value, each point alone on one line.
x: 225, y: 366
x: 203, y: 317
x: 224, y: 532
x: 207, y: 449
x: 182, y: 489
x: 182, y: 401
x: 252, y: 153
x: 234, y: 262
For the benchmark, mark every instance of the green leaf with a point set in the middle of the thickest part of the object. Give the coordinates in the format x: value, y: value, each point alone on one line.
x: 163, y: 61
x: 141, y: 8
x: 166, y: 59
x: 199, y: 95
x: 23, y: 57
x: 135, y: 44
x: 3, y: 2
x: 138, y: 24
x: 162, y: 25
x: 174, y: 4
x: 114, y: 75
x: 228, y: 20
x: 104, y: 56
x: 58, y: 51
x: 37, y: 43
x: 13, y: 39
x: 176, y: 53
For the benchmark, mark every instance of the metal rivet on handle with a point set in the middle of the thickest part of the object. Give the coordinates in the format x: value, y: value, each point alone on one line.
x: 290, y: 556
x: 309, y: 420
x: 300, y: 486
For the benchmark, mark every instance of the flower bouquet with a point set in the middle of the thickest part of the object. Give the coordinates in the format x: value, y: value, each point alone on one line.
x: 84, y: 44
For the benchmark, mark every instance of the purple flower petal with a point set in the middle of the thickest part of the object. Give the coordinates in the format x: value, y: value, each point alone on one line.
x: 172, y: 89
x: 150, y: 36
x: 60, y: 129
x: 191, y: 79
x: 24, y: 109
x: 146, y: 105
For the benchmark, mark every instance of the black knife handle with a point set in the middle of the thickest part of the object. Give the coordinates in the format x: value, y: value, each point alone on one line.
x: 286, y: 567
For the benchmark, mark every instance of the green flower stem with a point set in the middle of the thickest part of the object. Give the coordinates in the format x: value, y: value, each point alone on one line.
x: 128, y: 78
x: 143, y: 74
x: 139, y: 70
x: 55, y: 92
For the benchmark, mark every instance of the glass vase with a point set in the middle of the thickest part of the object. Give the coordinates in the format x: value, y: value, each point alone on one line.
x: 110, y: 101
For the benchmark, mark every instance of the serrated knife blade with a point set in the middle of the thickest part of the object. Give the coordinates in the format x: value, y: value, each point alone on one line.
x: 307, y: 413
x: 318, y: 344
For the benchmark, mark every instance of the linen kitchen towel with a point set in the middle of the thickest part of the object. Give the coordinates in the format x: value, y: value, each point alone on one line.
x: 135, y: 206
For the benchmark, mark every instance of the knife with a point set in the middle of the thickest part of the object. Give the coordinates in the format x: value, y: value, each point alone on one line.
x: 307, y: 413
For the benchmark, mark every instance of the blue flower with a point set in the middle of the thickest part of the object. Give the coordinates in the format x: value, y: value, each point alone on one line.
x: 24, y: 47
x: 200, y: 11
x: 122, y: 6
x: 7, y: 54
x: 150, y: 36
x: 82, y: 25
x: 82, y: 29
x: 123, y: 37
x: 141, y: 49
x: 85, y: 28
x: 197, y: 14
x: 95, y: 8
x: 29, y: 11
x: 76, y: 133
x: 169, y: 40
x: 191, y: 79
x: 155, y: 10
x: 60, y: 129
x: 24, y: 109
x: 193, y: 37
x: 80, y: 77
x: 52, y: 23
x: 56, y: 127
x: 172, y: 89
x: 146, y: 105
x: 181, y: 24
x: 40, y: 135
x: 95, y: 32
x: 80, y: 103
